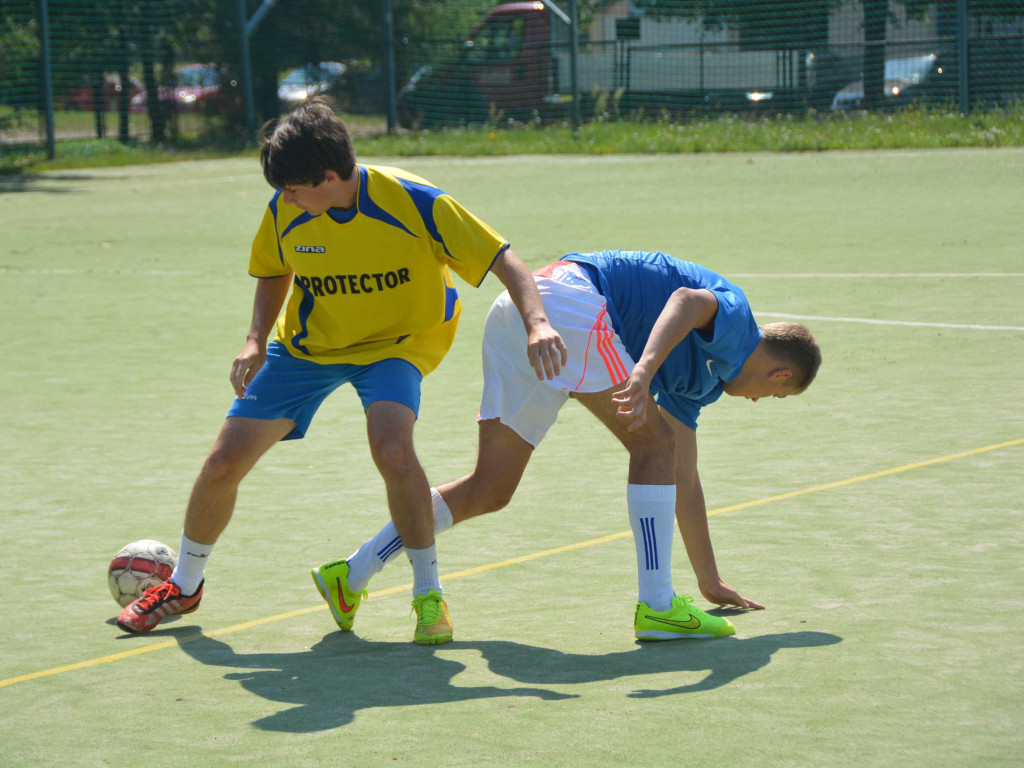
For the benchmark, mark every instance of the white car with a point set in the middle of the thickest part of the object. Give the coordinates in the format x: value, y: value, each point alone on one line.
x: 302, y: 82
x: 902, y: 77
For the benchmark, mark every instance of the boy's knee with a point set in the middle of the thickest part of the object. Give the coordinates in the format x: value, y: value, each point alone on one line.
x: 393, y: 457
x: 498, y: 498
x: 486, y: 496
x: 653, y: 447
x: 222, y: 467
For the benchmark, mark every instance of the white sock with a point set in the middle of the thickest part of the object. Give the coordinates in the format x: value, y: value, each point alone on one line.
x: 371, y: 557
x: 424, y: 570
x: 192, y: 557
x: 652, y: 516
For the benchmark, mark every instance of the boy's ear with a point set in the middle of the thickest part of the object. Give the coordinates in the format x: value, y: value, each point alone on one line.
x: 781, y: 373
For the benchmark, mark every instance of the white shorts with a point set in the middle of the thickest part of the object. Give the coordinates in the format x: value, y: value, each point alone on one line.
x: 597, y: 358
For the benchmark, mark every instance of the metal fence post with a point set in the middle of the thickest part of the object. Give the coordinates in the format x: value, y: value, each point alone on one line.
x: 389, y: 63
x: 247, y: 91
x: 44, y: 63
x: 962, y: 54
x: 574, y: 56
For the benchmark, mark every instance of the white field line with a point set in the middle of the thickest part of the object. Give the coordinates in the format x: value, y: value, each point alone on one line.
x: 782, y: 315
x: 872, y: 275
x: 871, y: 321
x: 753, y: 275
x: 771, y: 275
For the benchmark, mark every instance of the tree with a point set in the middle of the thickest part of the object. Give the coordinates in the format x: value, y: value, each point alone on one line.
x: 19, y: 57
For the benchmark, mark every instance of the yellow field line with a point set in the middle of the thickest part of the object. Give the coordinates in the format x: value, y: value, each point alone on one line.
x: 503, y: 564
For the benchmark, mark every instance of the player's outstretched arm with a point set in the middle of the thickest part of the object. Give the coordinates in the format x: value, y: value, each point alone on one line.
x: 544, y: 346
x: 692, y: 518
x: 270, y: 295
x: 686, y: 309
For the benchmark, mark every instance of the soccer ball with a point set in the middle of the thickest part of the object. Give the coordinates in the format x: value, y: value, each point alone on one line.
x: 137, y: 567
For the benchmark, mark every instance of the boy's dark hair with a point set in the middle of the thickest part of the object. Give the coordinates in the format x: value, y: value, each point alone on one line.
x: 302, y: 146
x: 796, y: 346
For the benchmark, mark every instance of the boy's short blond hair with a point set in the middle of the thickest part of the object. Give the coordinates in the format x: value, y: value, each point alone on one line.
x: 794, y: 345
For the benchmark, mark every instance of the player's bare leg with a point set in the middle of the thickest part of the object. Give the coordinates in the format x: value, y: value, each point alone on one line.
x: 651, y: 494
x: 389, y: 426
x: 651, y: 447
x: 240, y: 444
x: 502, y: 458
x: 501, y: 461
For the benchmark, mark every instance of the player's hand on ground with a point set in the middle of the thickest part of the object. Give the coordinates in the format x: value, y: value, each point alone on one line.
x: 722, y: 594
x: 546, y: 351
x: 633, y: 401
x: 247, y: 365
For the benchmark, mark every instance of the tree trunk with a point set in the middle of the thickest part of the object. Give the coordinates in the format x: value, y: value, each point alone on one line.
x: 99, y: 104
x: 155, y: 107
x: 124, y: 105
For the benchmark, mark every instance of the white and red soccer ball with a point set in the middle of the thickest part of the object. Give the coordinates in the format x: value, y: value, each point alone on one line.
x: 137, y: 567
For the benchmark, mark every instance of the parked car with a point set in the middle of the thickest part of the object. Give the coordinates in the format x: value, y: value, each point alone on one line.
x: 906, y: 79
x: 195, y: 87
x: 83, y: 97
x: 311, y: 80
x: 196, y: 84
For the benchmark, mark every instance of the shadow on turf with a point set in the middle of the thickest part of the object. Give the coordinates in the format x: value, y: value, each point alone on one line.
x: 343, y: 673
x: 49, y: 182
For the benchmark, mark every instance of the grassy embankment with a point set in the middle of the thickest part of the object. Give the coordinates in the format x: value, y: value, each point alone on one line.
x: 911, y: 129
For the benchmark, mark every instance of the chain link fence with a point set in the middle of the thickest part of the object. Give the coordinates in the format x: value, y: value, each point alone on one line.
x: 211, y: 71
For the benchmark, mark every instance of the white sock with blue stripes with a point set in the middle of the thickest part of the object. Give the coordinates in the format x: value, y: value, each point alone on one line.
x: 652, y: 516
x: 370, y: 559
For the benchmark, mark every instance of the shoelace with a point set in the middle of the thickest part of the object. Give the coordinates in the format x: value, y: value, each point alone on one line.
x: 430, y: 609
x: 151, y: 597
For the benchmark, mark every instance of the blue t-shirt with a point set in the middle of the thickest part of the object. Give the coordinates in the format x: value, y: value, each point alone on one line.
x: 637, y: 285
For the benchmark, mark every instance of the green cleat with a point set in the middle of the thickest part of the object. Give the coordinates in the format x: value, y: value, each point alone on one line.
x: 679, y: 621
x: 433, y: 622
x: 331, y: 581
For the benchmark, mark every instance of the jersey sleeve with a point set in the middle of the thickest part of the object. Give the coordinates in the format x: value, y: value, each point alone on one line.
x: 267, y: 258
x: 735, y: 334
x: 470, y: 245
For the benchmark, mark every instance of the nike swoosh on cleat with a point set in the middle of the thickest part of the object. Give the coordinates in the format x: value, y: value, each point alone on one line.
x: 345, y: 607
x: 693, y: 623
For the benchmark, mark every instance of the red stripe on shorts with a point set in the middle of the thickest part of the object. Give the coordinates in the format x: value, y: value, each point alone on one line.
x: 609, y: 354
x: 550, y: 269
x: 612, y: 362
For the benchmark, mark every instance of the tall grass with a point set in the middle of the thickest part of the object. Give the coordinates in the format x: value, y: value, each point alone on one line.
x: 910, y: 129
x: 907, y: 129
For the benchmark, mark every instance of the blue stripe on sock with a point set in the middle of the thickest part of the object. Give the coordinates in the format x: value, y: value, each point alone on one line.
x: 650, y: 543
x: 647, y: 546
x: 391, y: 548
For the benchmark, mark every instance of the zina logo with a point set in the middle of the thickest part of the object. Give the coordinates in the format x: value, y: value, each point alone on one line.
x: 310, y: 249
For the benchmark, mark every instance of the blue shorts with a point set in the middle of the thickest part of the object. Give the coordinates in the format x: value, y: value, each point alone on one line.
x: 289, y: 388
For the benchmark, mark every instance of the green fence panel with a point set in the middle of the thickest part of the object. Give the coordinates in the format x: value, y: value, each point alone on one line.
x: 170, y: 70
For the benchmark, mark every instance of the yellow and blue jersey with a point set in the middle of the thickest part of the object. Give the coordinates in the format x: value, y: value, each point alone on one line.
x: 374, y: 281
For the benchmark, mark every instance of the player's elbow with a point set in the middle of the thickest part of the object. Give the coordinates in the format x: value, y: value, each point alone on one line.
x: 697, y: 306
